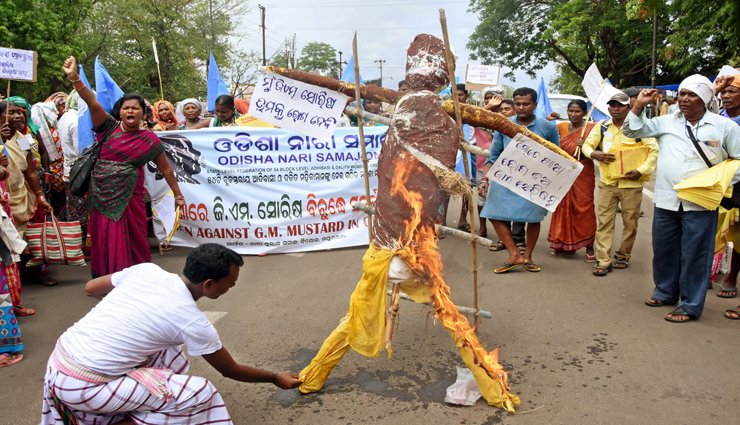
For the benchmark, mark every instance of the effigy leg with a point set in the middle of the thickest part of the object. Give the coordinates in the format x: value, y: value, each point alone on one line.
x: 332, y: 351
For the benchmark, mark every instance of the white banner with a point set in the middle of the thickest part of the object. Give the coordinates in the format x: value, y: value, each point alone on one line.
x: 260, y: 190
x: 297, y: 106
x: 534, y: 172
x: 597, y: 89
x: 18, y: 65
x: 486, y: 75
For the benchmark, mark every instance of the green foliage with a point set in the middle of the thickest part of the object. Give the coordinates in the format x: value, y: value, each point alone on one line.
x: 318, y: 57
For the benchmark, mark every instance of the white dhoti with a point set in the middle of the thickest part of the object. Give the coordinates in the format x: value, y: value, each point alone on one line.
x: 195, y: 400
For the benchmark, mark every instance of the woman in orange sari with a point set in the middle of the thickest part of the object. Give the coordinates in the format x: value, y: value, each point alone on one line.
x: 573, y: 224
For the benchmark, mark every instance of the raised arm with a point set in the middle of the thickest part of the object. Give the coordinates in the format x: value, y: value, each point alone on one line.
x: 637, y: 126
x: 97, y: 112
x: 222, y: 361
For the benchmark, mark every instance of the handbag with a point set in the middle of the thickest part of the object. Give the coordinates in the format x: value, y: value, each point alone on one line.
x: 55, y: 242
x: 726, y: 203
x: 81, y: 172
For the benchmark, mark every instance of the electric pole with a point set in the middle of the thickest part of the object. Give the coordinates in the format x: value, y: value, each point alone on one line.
x: 340, y: 64
x: 380, y: 62
x: 262, y: 15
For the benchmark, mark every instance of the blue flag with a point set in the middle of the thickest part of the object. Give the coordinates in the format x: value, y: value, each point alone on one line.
x: 85, y: 136
x: 543, y: 102
x: 348, y: 75
x: 108, y: 91
x: 216, y: 84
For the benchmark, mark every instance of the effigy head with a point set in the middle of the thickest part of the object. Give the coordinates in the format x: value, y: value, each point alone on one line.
x: 426, y: 64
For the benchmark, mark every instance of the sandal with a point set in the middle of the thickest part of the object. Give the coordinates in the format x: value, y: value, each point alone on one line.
x: 165, y: 247
x: 590, y: 258
x: 621, y: 262
x: 654, y: 302
x: 498, y: 246
x: 561, y: 253
x: 602, y: 270
x: 733, y: 314
x: 13, y: 359
x: 49, y: 282
x: 727, y: 292
x: 503, y: 268
x: 22, y: 311
x: 522, y: 249
x: 464, y: 227
x: 530, y: 266
x: 679, y: 312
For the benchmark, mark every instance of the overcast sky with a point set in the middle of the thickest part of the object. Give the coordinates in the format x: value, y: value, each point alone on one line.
x: 384, y: 31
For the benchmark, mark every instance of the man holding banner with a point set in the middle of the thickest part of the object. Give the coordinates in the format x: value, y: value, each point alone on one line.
x: 503, y: 205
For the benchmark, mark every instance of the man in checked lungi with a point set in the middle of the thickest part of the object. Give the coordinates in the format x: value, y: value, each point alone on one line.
x: 122, y: 363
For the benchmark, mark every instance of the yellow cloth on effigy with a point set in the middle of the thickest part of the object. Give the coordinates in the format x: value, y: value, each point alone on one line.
x: 22, y: 199
x: 626, y: 159
x: 727, y: 230
x: 363, y: 329
x: 710, y: 186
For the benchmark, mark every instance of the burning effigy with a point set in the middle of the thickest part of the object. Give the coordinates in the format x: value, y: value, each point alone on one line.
x: 413, y: 178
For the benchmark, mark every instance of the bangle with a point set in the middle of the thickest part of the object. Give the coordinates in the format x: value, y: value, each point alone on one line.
x: 41, y: 198
x: 38, y: 192
x: 484, y: 179
x: 75, y: 81
x: 181, y: 198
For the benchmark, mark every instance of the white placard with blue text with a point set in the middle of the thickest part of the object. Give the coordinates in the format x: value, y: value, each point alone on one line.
x: 534, y: 172
x: 18, y: 65
x: 297, y: 106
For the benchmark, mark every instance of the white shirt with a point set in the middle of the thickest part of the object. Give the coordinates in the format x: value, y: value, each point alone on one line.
x: 67, y: 127
x: 678, y: 159
x: 149, y: 310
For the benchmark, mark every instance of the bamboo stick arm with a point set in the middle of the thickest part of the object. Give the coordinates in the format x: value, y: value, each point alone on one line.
x: 448, y: 231
x: 462, y: 309
x: 475, y: 150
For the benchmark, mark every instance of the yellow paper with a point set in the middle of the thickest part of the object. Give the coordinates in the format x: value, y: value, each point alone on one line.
x: 626, y: 159
x: 710, y: 186
x: 247, y: 120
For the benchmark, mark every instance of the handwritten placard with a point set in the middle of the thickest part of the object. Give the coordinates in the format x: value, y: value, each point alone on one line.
x: 18, y: 65
x: 297, y: 106
x: 534, y: 172
x: 597, y: 89
x: 478, y: 77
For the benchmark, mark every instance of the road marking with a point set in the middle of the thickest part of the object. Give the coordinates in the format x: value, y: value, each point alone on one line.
x: 650, y: 194
x: 214, y: 316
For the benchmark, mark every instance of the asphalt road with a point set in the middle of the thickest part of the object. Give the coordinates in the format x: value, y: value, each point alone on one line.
x: 580, y: 349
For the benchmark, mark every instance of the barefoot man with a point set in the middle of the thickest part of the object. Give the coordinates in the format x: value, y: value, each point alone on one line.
x: 122, y: 363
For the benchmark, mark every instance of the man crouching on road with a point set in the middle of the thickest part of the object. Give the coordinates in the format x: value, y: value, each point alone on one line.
x: 122, y: 363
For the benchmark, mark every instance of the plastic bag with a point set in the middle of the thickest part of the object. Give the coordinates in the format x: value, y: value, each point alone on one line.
x: 465, y: 390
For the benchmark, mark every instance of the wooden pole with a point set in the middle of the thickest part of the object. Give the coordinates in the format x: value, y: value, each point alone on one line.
x: 588, y: 117
x: 7, y: 99
x: 361, y: 122
x: 458, y: 116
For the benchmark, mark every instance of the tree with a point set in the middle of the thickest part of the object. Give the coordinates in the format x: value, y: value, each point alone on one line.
x: 320, y: 58
x: 527, y: 34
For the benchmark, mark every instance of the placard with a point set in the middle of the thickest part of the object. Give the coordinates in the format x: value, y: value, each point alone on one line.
x: 478, y: 77
x: 268, y: 190
x: 597, y: 89
x: 297, y: 106
x: 534, y: 172
x: 18, y: 65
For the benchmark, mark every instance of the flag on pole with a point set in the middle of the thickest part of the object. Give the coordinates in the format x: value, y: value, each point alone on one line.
x: 108, y: 91
x: 348, y: 76
x: 543, y: 102
x: 216, y: 84
x: 85, y: 136
x: 154, y: 47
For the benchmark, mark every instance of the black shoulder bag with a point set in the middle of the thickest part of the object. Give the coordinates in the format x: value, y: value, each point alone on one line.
x: 81, y: 172
x: 726, y: 203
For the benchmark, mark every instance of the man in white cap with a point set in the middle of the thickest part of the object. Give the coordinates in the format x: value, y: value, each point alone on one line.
x: 684, y: 232
x: 602, y: 144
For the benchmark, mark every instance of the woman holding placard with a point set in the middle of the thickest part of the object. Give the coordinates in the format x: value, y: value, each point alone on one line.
x: 117, y: 223
x: 573, y: 224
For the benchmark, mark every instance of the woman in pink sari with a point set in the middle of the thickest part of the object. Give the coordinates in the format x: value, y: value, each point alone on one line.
x: 116, y: 196
x: 573, y: 224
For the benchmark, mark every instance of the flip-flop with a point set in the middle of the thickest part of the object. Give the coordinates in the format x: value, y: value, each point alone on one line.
x: 559, y: 253
x: 47, y: 281
x: 16, y: 358
x: 531, y: 267
x: 498, y: 246
x: 22, y: 311
x: 727, y: 315
x: 590, y: 258
x: 464, y: 227
x: 731, y: 292
x: 681, y: 313
x: 654, y: 302
x: 503, y: 268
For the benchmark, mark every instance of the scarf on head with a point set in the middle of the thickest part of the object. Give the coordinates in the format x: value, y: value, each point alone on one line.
x: 26, y: 108
x: 169, y: 106
x: 72, y: 101
x: 45, y: 115
x: 700, y: 85
x: 181, y: 105
x: 57, y: 98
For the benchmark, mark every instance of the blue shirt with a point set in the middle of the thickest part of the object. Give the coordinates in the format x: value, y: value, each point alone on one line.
x: 678, y: 159
x: 503, y: 204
